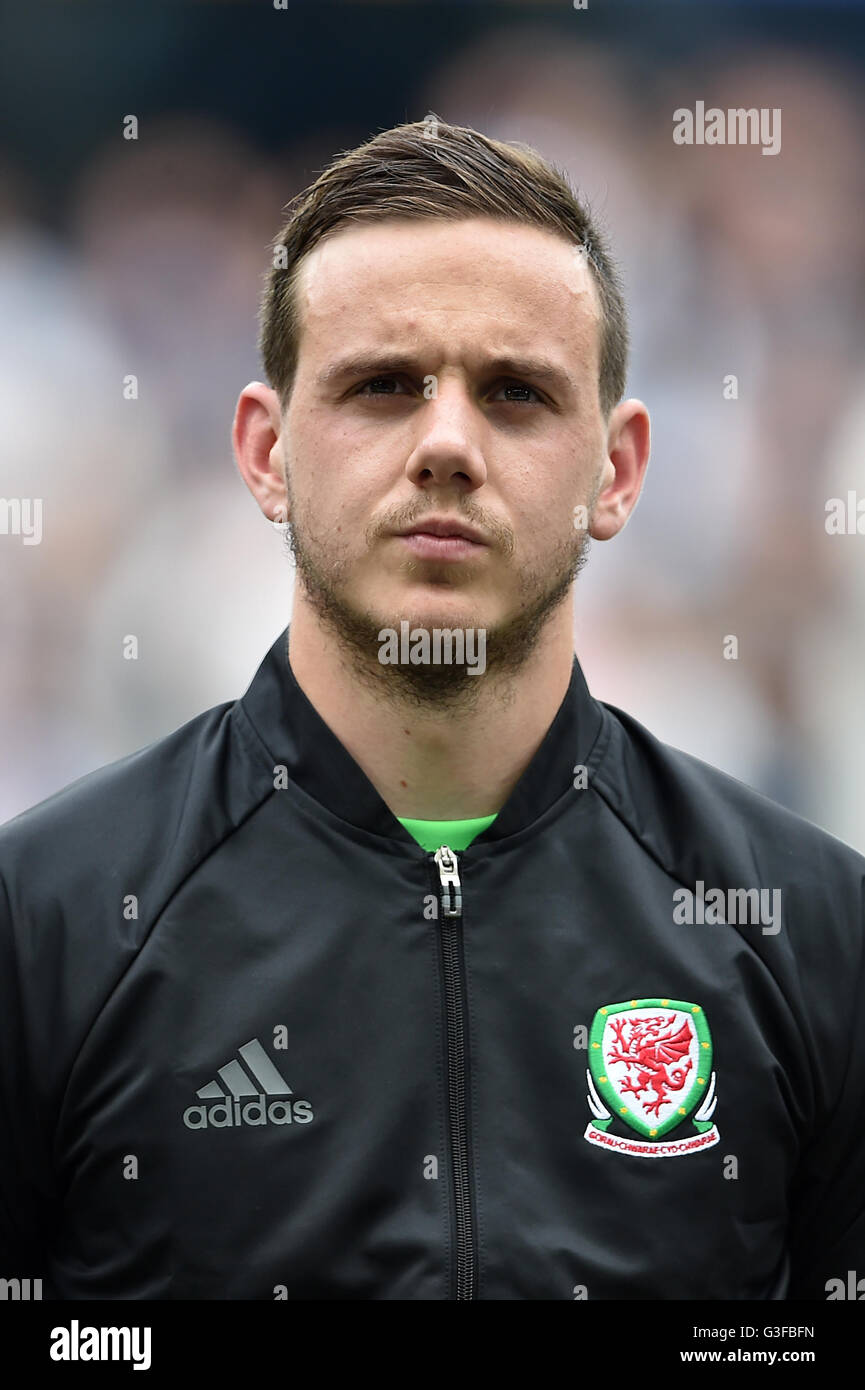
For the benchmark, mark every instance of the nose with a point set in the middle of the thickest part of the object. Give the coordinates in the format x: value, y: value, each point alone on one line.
x: 448, y: 449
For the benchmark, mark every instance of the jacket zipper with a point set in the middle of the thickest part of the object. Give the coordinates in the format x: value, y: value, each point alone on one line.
x: 455, y: 1014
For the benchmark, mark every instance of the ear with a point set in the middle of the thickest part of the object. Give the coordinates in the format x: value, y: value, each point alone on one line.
x: 257, y: 438
x: 628, y: 447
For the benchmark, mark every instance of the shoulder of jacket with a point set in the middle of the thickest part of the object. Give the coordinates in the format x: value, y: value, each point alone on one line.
x: 720, y: 840
x: 115, y: 800
x: 86, y: 874
x: 133, y: 829
x: 692, y: 816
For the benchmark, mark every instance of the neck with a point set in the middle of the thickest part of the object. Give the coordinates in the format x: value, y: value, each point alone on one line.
x: 436, y: 763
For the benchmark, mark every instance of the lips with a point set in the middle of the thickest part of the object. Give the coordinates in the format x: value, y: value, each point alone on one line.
x: 442, y: 541
x: 445, y: 529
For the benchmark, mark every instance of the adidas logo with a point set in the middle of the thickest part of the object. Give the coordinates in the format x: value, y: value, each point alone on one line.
x: 230, y: 1108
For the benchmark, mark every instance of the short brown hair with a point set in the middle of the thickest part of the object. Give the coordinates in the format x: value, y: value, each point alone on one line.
x: 432, y: 170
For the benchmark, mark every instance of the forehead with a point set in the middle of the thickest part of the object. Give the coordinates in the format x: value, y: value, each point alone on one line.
x: 438, y: 278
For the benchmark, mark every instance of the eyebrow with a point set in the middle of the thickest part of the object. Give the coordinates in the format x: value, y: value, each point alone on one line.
x: 382, y: 363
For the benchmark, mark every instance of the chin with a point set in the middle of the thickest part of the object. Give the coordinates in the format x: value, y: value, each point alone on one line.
x: 432, y: 606
x: 436, y: 615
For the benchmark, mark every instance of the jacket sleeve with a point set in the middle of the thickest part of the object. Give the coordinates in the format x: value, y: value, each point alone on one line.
x: 827, y: 1216
x: 139, y: 825
x: 26, y: 1196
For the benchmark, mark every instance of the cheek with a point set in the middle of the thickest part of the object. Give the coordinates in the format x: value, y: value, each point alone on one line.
x: 332, y: 472
x: 545, y: 513
x: 334, y: 513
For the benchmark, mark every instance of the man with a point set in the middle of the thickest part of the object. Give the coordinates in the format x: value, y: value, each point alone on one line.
x: 417, y: 973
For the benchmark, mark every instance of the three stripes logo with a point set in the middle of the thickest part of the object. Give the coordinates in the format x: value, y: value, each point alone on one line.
x: 244, y: 1096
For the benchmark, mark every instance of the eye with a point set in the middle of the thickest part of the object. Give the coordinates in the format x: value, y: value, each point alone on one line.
x: 378, y: 382
x: 524, y: 390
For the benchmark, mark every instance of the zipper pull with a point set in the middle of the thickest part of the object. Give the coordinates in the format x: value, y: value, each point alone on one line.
x: 449, y: 876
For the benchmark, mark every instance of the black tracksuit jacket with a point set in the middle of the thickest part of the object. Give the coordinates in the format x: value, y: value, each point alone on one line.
x: 255, y: 1043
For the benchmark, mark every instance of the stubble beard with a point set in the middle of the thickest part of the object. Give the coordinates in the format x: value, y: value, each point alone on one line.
x: 440, y: 687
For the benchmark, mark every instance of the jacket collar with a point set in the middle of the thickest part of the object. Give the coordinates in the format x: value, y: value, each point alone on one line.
x: 297, y: 737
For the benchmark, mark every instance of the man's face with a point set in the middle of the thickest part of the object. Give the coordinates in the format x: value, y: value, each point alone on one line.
x: 447, y: 370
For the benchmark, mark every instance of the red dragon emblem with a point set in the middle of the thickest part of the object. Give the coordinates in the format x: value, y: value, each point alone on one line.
x: 652, y: 1047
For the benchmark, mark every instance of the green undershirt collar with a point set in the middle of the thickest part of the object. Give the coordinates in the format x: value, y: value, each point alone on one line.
x: 457, y: 834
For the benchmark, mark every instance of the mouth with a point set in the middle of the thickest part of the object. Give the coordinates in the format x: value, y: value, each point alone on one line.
x: 437, y: 538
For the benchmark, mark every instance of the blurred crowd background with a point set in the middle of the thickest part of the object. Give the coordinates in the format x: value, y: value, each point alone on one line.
x: 146, y: 257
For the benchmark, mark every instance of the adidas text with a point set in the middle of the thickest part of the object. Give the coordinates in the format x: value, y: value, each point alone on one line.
x: 227, y: 1113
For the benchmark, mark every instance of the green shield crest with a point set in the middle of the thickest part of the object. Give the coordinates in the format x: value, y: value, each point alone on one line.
x: 651, y: 1062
